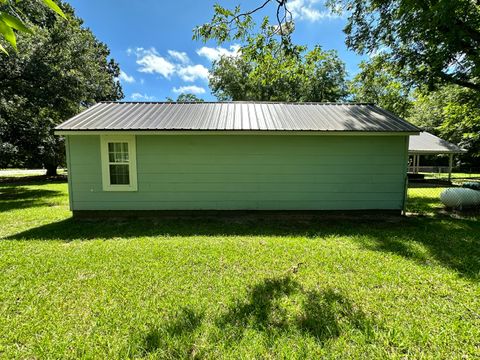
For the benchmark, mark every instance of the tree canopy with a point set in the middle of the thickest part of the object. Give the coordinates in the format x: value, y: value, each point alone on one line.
x: 378, y: 82
x: 227, y: 25
x: 435, y: 41
x: 264, y: 71
x: 11, y: 20
x: 58, y: 71
x: 186, y: 98
x: 453, y: 113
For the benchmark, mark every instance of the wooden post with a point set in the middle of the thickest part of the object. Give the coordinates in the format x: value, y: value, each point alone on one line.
x: 450, y: 166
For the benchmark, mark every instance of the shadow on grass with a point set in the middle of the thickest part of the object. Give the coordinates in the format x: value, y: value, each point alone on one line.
x: 15, y: 197
x: 453, y: 243
x: 424, y: 204
x: 259, y: 309
x: 175, y: 339
x: 322, y: 315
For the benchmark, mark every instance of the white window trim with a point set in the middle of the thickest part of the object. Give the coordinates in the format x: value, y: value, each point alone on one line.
x: 132, y: 156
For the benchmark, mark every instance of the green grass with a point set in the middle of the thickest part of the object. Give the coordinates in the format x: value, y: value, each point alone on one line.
x: 455, y: 175
x: 425, y: 200
x: 457, y: 178
x: 371, y: 288
x: 6, y: 174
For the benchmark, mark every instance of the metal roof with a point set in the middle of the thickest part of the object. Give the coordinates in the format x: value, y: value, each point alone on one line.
x: 245, y: 116
x: 427, y: 143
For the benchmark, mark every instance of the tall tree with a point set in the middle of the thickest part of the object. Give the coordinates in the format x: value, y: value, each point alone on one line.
x: 436, y: 41
x: 264, y: 71
x: 453, y: 113
x: 59, y: 70
x: 379, y: 82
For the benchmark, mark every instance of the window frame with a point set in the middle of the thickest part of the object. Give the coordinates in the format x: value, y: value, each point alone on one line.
x: 132, y: 162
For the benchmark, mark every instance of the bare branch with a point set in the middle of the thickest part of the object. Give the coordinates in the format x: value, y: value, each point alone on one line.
x: 248, y: 13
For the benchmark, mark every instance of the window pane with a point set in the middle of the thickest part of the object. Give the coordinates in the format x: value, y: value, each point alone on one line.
x: 118, y: 152
x: 123, y: 154
x: 119, y: 175
x: 111, y: 152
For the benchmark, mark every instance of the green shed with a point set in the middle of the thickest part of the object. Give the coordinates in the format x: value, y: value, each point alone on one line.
x: 236, y: 156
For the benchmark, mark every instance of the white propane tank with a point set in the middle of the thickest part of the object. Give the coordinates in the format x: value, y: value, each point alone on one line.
x: 460, y: 197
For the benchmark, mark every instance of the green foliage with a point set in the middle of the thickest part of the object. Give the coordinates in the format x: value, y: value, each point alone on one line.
x: 378, y: 82
x: 229, y: 25
x: 453, y: 113
x: 11, y: 20
x: 226, y: 25
x: 53, y: 6
x: 8, y: 34
x: 435, y: 41
x: 264, y: 71
x: 214, y: 288
x: 58, y: 71
x: 186, y: 98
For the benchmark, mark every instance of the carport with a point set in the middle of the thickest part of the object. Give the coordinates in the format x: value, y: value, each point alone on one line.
x: 429, y: 144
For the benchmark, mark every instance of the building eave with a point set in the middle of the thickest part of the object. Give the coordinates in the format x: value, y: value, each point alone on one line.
x: 233, y: 132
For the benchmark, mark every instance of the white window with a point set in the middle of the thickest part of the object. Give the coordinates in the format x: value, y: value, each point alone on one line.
x: 119, y: 168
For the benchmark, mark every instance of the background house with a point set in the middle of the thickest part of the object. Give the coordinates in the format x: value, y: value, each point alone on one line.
x: 236, y: 156
x: 428, y: 144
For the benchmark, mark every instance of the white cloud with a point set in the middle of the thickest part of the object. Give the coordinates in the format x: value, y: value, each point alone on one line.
x: 151, y: 62
x: 307, y: 10
x: 215, y: 53
x: 141, y: 97
x: 191, y: 73
x: 125, y: 77
x: 192, y: 89
x: 180, y: 56
x: 156, y: 64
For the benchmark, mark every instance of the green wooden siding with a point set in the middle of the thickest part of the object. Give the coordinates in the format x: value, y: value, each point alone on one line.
x: 247, y: 172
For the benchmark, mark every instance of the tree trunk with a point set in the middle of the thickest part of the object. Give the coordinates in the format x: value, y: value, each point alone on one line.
x: 51, y: 169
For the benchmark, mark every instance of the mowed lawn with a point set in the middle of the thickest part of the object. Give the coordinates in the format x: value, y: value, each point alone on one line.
x: 254, y: 287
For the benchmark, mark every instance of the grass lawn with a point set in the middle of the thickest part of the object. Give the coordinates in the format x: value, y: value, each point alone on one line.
x: 233, y: 288
x: 457, y: 178
x: 425, y: 200
x: 22, y: 173
x: 455, y: 175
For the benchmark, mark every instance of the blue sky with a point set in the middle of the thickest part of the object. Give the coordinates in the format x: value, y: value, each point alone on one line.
x: 152, y: 41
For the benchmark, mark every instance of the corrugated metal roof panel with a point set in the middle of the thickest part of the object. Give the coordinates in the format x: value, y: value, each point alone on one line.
x: 236, y: 116
x: 427, y: 143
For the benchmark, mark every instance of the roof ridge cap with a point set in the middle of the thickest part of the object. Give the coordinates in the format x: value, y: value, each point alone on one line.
x: 241, y: 102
